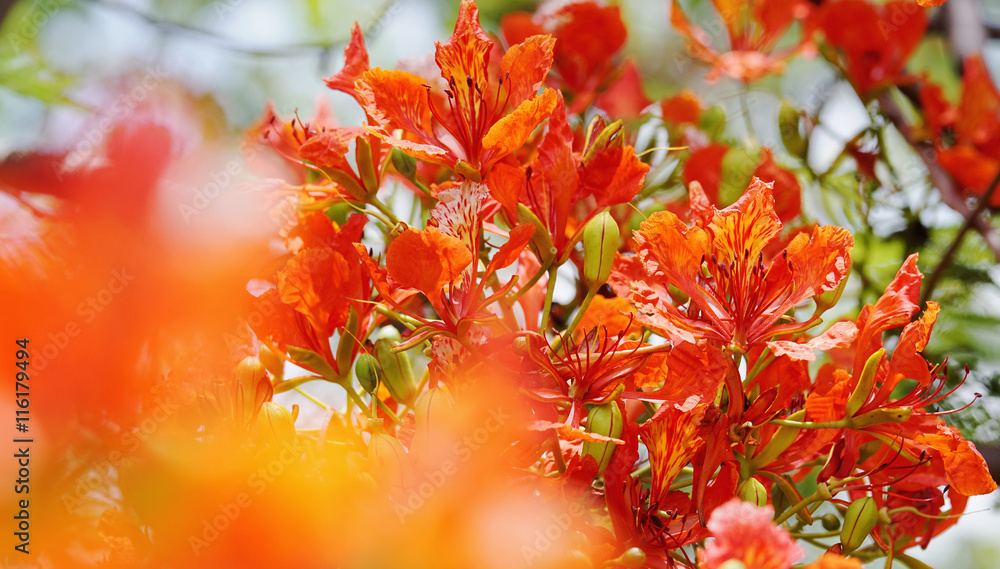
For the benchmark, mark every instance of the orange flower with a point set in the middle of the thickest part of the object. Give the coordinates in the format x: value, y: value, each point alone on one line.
x: 754, y: 30
x: 951, y: 459
x: 564, y: 189
x: 672, y: 438
x: 317, y: 288
x: 873, y: 42
x: 735, y: 298
x: 589, y: 35
x: 482, y: 113
x: 967, y: 137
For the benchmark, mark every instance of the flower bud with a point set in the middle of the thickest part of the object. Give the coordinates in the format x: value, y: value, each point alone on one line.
x: 601, y: 239
x: 752, y: 491
x: 366, y: 166
x: 433, y: 407
x: 603, y: 420
x: 274, y: 363
x: 405, y: 164
x: 348, y: 340
x: 249, y: 372
x: 831, y: 522
x: 859, y: 521
x: 390, y: 463
x: 397, y: 375
x: 632, y: 558
x: 275, y: 424
x: 866, y: 382
x: 789, y: 120
x: 368, y: 372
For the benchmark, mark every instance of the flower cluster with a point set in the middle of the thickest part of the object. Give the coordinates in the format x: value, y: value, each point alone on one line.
x: 670, y: 403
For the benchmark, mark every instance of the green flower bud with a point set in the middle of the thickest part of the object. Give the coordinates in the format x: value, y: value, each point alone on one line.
x: 433, y: 404
x: 865, y: 383
x: 345, y: 347
x: 274, y: 363
x: 632, y: 558
x: 368, y: 372
x: 601, y: 239
x: 275, y: 424
x: 397, y: 375
x: 405, y: 164
x: 249, y: 372
x: 830, y: 522
x: 604, y: 420
x: 789, y: 120
x: 366, y: 166
x: 390, y: 463
x: 752, y: 491
x: 859, y: 521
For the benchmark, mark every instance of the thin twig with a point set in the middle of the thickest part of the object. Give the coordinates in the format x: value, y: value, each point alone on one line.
x: 949, y: 253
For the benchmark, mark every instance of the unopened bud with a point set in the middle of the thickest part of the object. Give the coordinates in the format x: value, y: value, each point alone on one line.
x: 273, y: 363
x: 789, y: 120
x: 368, y: 372
x: 866, y: 382
x: 405, y: 164
x: 601, y: 239
x: 366, y: 166
x: 249, y: 372
x: 397, y: 375
x: 603, y: 420
x: 632, y: 558
x: 859, y: 521
x: 752, y: 491
x: 275, y: 424
x: 830, y: 522
x: 389, y: 461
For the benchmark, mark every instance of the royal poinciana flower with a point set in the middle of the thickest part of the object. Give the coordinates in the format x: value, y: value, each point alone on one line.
x: 483, y: 112
x: 736, y: 299
x: 967, y: 136
x: 435, y: 262
x: 743, y: 532
x: 317, y: 289
x: 564, y: 189
x: 871, y: 43
x: 865, y: 396
x: 326, y: 149
x: 589, y: 36
x: 754, y: 30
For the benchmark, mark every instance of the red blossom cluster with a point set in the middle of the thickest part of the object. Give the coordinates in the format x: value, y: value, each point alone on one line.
x: 682, y: 383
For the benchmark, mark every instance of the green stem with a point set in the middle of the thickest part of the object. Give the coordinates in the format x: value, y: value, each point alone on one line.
x: 549, y: 291
x: 385, y: 210
x: 313, y: 399
x: 947, y: 256
x: 583, y: 308
x: 385, y: 409
x: 530, y: 283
